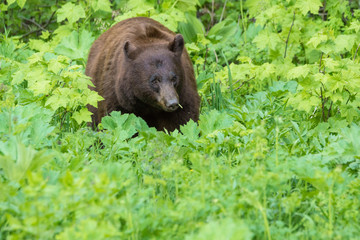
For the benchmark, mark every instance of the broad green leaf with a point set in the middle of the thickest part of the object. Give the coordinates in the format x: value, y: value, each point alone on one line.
x: 21, y: 3
x: 266, y: 39
x: 9, y: 2
x: 316, y: 40
x: 299, y: 71
x: 213, y: 121
x: 56, y: 66
x: 82, y: 116
x: 71, y: 12
x: 103, y: 5
x: 227, y: 228
x: 41, y: 87
x: 257, y: 6
x: 40, y: 45
x: 223, y: 31
x: 167, y: 20
x: 18, y: 77
x: 17, y: 160
x: 60, y: 98
x: 75, y: 46
x: 265, y: 71
x: 190, y: 130
x: 355, y: 25
x: 344, y: 42
x: 306, y: 6
x: 191, y: 28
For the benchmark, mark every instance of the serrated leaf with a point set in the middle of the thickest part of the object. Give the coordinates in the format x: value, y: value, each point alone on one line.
x: 55, y: 66
x: 317, y: 39
x: 37, y: 73
x: 257, y: 6
x: 18, y: 77
x: 71, y: 12
x: 299, y: 71
x: 213, y: 121
x: 306, y: 6
x: 344, y: 42
x: 266, y: 39
x: 265, y: 71
x: 103, y: 5
x: 82, y: 116
x: 167, y: 20
x: 40, y: 45
x: 41, y: 87
x: 21, y: 3
x: 190, y: 130
x: 355, y: 25
x: 19, y: 159
x: 75, y: 46
x: 60, y: 98
x: 93, y: 98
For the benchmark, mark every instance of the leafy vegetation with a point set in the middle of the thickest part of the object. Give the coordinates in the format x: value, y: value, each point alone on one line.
x: 275, y: 154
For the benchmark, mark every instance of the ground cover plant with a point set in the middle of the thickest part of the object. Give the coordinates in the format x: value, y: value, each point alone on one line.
x: 275, y: 154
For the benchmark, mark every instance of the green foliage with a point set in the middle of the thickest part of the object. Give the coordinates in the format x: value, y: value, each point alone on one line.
x: 274, y: 155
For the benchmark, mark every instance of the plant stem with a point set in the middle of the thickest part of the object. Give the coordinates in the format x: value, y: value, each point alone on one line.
x: 242, y: 20
x: 222, y: 13
x: 287, y: 40
x: 229, y: 75
x: 357, y: 49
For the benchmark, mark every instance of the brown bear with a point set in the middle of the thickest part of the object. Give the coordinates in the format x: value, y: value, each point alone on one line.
x: 139, y: 66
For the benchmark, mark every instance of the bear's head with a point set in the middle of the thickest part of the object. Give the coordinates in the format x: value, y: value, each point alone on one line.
x: 155, y: 73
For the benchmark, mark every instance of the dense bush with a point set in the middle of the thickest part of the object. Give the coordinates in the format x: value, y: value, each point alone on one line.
x: 275, y: 154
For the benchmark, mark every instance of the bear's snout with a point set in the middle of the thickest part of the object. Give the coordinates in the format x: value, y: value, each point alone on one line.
x: 172, y: 104
x: 169, y: 99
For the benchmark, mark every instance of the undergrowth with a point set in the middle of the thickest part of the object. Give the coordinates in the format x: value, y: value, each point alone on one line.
x: 275, y: 154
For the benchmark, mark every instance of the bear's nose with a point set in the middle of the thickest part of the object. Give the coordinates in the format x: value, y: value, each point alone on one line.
x: 172, y: 104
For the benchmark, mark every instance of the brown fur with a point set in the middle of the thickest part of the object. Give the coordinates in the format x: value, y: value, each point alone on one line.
x: 123, y: 59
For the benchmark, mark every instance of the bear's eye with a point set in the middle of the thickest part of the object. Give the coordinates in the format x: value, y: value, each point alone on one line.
x: 154, y: 79
x: 174, y: 80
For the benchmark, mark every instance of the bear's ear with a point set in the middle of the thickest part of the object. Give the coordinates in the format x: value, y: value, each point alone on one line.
x: 129, y: 50
x: 177, y: 45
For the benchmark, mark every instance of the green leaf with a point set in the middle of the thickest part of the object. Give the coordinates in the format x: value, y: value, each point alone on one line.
x: 191, y: 28
x: 103, y: 5
x: 19, y: 159
x: 227, y: 228
x: 355, y: 25
x: 9, y: 2
x: 306, y: 6
x: 266, y: 39
x: 213, y: 121
x: 317, y: 39
x: 190, y: 130
x: 21, y: 3
x: 257, y: 6
x: 40, y: 45
x: 82, y: 116
x: 60, y: 98
x: 71, y: 12
x: 75, y: 46
x: 344, y: 42
x: 223, y: 31
x: 299, y: 71
x: 18, y: 77
x: 55, y: 66
x: 41, y: 87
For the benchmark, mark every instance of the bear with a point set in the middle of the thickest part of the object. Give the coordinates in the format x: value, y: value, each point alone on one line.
x: 139, y: 66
